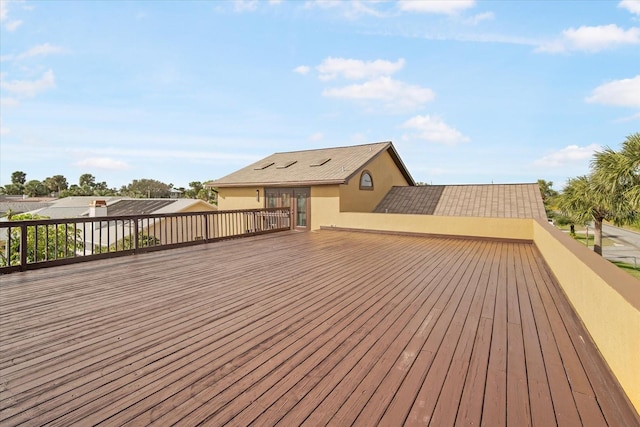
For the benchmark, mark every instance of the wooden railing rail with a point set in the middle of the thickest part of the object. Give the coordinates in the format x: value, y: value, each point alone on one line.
x: 31, y: 244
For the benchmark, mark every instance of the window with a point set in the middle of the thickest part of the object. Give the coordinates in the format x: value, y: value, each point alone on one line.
x: 366, y: 182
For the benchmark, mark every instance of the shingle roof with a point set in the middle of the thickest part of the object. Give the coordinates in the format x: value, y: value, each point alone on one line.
x: 489, y: 200
x: 138, y: 207
x: 310, y: 167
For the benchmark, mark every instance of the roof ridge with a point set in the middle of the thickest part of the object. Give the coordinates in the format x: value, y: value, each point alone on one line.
x: 333, y: 148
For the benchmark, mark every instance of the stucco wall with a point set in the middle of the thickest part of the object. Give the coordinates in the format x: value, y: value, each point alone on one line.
x: 325, y: 205
x: 240, y: 198
x: 606, y: 299
x: 504, y: 228
x: 385, y: 175
x: 200, y: 206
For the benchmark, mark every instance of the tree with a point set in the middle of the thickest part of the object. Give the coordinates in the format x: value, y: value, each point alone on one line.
x: 609, y: 193
x: 146, y: 188
x: 35, y: 188
x: 87, y: 180
x: 14, y: 189
x: 56, y: 183
x: 194, y: 188
x: 619, y: 172
x: 582, y: 200
x: 18, y: 177
x: 43, y: 242
x: 548, y: 195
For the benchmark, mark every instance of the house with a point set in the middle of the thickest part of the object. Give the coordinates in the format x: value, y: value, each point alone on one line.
x: 316, y: 183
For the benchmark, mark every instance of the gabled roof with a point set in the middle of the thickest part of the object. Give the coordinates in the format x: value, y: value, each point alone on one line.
x: 311, y: 167
x: 485, y: 200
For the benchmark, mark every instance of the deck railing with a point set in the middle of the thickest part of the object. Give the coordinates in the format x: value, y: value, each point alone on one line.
x: 31, y: 244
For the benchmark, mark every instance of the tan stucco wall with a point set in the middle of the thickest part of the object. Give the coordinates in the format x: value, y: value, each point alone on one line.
x: 385, y: 175
x: 240, y: 198
x: 325, y: 205
x: 503, y: 228
x: 606, y: 299
x: 200, y: 206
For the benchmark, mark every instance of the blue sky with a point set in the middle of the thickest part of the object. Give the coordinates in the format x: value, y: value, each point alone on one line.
x: 468, y: 91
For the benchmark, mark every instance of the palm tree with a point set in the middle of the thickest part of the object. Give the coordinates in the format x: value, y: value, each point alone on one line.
x: 610, y: 193
x: 619, y: 172
x: 583, y: 200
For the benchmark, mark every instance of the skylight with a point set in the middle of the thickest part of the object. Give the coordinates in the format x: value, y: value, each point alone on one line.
x: 263, y: 166
x: 320, y: 162
x: 287, y: 164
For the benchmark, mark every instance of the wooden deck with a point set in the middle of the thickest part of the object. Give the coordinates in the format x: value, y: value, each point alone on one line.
x: 329, y: 327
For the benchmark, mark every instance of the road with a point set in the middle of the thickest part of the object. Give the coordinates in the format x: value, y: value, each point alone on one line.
x: 626, y: 244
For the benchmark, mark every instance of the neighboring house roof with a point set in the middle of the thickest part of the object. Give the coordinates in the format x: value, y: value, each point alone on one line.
x: 21, y: 206
x: 72, y: 207
x: 487, y: 200
x: 137, y: 207
x: 311, y: 167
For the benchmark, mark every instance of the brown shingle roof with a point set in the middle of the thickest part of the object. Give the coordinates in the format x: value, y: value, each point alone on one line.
x: 487, y: 200
x: 310, y: 167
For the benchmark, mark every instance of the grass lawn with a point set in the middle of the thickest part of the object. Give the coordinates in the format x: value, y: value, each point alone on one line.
x: 628, y: 268
x: 582, y: 238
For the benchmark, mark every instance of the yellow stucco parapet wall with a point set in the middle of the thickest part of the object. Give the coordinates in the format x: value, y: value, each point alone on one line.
x: 606, y: 298
x: 500, y: 228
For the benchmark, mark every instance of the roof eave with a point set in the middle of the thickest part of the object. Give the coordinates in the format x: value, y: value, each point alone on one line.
x: 278, y: 183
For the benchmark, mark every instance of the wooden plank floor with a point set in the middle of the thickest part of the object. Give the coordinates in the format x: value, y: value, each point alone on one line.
x: 321, y: 328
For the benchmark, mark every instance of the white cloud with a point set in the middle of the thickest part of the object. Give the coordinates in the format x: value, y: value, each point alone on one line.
x: 4, y: 11
x: 395, y: 94
x: 349, y: 9
x: 625, y: 92
x: 318, y: 136
x: 13, y: 25
x: 355, y: 69
x: 567, y: 155
x: 245, y: 5
x: 29, y: 88
x: 106, y: 163
x: 3, y: 129
x: 446, y: 7
x: 630, y: 118
x: 632, y: 6
x: 433, y: 129
x: 302, y: 69
x: 592, y: 39
x: 8, y: 102
x: 4, y: 17
x: 43, y: 49
x: 476, y: 19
